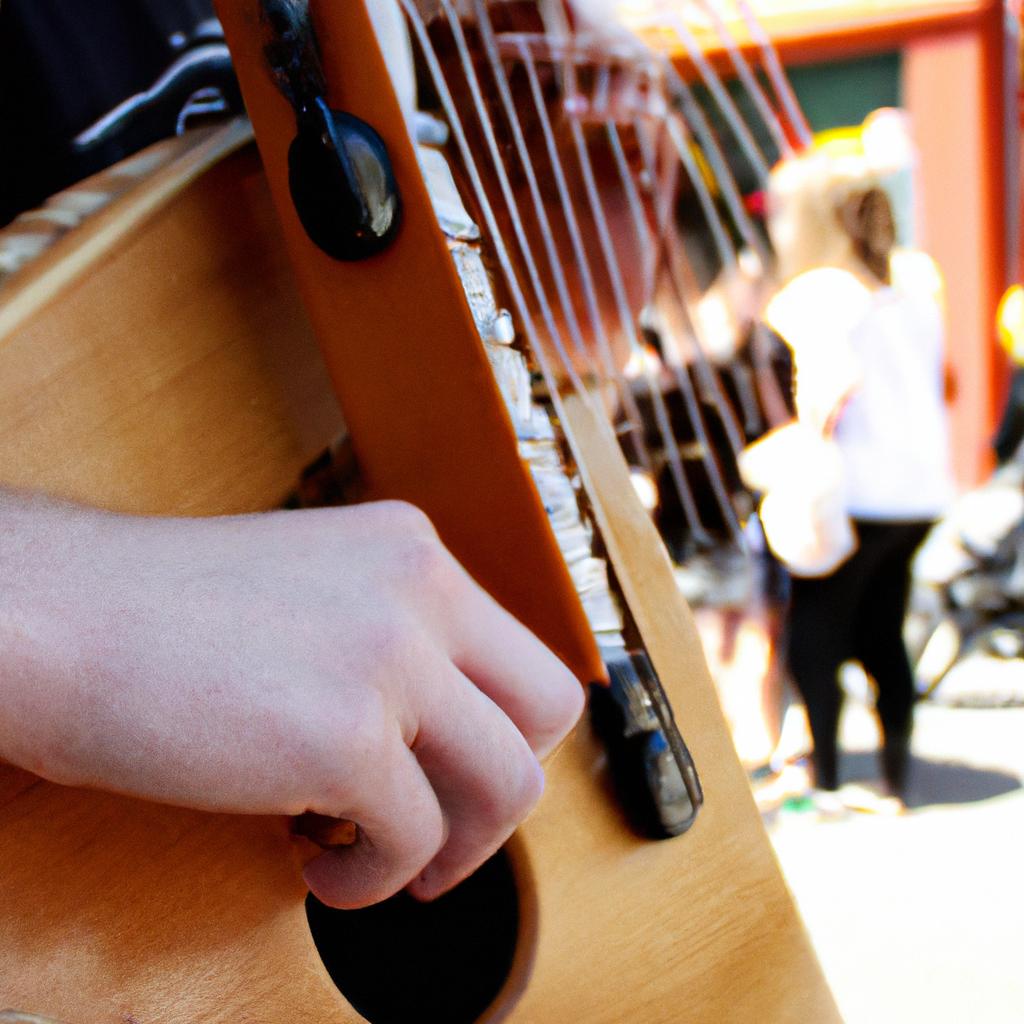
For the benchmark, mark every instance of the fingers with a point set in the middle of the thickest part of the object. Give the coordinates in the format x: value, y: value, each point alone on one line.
x: 503, y: 658
x: 428, y: 817
x: 486, y: 778
x: 478, y: 698
x: 512, y: 667
x: 401, y: 828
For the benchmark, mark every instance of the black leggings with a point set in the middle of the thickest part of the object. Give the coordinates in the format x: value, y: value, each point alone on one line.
x: 857, y: 614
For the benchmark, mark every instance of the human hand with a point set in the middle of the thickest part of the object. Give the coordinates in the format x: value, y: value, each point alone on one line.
x: 337, y: 661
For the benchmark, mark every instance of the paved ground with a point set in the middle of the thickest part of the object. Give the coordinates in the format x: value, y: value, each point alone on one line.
x: 920, y: 918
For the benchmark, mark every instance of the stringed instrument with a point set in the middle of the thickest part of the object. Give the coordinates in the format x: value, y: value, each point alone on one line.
x: 157, y: 361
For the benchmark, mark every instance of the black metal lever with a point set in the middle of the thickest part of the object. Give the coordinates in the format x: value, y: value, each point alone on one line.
x: 651, y: 768
x: 200, y: 80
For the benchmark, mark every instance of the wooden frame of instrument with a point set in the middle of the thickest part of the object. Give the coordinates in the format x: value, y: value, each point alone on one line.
x: 168, y: 380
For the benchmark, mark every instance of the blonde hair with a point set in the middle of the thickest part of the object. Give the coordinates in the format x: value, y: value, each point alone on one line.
x: 807, y: 195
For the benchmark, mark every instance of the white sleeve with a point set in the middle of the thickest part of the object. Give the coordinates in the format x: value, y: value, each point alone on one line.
x: 816, y: 315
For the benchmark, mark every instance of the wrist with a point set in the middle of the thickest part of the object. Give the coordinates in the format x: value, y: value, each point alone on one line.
x: 44, y: 615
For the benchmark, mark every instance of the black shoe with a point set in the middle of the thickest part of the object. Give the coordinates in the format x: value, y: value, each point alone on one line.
x: 896, y: 765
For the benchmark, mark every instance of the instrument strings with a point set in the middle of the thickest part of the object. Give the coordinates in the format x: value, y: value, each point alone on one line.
x: 782, y: 122
x: 575, y: 147
x: 781, y: 85
x: 611, y: 368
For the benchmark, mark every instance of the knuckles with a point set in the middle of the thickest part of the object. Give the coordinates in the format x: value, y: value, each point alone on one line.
x: 519, y: 791
x: 432, y: 832
x: 410, y: 555
x: 423, y: 562
x: 561, y: 709
x: 354, y: 735
x: 401, y: 518
x: 528, y: 792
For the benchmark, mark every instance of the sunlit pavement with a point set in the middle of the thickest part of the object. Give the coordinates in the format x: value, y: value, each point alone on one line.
x: 920, y: 918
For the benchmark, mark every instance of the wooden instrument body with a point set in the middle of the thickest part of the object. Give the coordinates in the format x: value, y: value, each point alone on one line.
x: 178, y: 377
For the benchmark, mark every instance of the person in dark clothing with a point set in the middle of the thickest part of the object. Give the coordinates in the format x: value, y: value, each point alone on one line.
x: 851, y: 615
x: 64, y: 65
x: 1010, y: 320
x: 1011, y: 427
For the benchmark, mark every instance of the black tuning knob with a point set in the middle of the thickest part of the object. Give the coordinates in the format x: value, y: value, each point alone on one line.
x: 342, y: 183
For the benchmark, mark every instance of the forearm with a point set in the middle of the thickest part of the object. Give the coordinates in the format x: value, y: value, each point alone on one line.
x: 337, y: 660
x: 45, y: 548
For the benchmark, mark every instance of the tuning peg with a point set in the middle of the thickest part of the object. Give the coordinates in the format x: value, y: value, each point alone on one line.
x: 342, y: 183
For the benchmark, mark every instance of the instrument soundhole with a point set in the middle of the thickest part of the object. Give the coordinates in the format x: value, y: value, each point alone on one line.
x: 401, y: 960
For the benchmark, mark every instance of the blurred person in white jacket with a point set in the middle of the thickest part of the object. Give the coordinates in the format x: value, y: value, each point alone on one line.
x: 865, y: 323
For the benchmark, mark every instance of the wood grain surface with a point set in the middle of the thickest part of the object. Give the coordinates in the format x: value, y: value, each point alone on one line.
x: 139, y: 387
x: 179, y: 374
